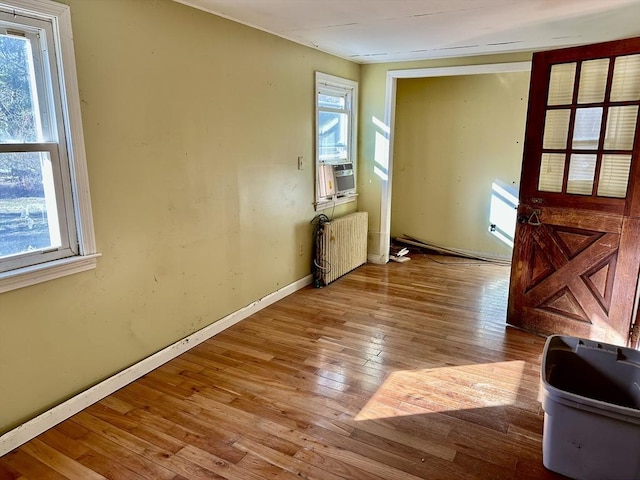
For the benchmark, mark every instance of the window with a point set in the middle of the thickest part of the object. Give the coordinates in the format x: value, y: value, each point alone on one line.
x: 590, y: 127
x: 46, y: 228
x: 336, y: 111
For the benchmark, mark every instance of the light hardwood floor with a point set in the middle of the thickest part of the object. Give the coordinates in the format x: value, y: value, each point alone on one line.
x: 402, y: 371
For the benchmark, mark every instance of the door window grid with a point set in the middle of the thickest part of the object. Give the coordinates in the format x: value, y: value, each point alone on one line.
x: 591, y: 120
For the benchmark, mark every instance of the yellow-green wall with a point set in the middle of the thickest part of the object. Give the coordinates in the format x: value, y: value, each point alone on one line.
x: 372, y: 110
x: 454, y: 137
x: 193, y: 125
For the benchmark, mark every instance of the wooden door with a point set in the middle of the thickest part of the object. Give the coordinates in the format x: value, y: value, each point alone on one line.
x: 576, y: 255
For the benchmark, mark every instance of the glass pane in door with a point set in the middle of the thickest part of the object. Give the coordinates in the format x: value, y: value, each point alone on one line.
x: 626, y: 79
x: 556, y: 129
x: 551, y: 172
x: 621, y: 128
x: 586, y: 129
x: 614, y: 176
x: 582, y: 170
x: 561, y: 84
x: 593, y: 80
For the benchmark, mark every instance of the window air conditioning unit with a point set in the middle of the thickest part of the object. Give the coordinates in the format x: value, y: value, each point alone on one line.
x: 337, y: 180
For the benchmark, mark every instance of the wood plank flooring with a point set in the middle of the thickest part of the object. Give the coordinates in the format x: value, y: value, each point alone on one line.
x: 401, y: 371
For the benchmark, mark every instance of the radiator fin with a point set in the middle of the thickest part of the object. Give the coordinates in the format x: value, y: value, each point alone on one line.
x: 343, y: 245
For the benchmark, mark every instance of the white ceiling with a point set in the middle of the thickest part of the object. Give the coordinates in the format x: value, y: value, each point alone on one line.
x: 373, y: 31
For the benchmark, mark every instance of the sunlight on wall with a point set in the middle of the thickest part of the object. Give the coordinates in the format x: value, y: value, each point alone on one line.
x: 381, y: 152
x: 415, y: 392
x: 504, y: 202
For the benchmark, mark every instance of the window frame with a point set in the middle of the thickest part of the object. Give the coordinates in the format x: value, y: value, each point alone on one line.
x: 73, y: 199
x: 333, y: 85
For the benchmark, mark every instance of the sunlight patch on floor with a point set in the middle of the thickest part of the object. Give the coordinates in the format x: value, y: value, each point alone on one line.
x: 415, y: 392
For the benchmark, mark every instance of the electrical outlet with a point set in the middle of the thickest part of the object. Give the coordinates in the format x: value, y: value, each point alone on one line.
x: 301, y: 249
x: 300, y: 163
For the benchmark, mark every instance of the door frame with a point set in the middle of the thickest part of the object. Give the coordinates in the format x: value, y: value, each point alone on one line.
x: 389, y: 132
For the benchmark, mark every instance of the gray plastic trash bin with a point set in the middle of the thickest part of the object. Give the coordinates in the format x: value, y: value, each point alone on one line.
x: 591, y: 404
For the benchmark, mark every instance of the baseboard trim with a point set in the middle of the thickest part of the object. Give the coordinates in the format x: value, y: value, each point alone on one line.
x: 379, y: 259
x: 34, y: 427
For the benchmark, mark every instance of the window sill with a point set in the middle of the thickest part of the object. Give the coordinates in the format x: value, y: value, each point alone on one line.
x: 326, y: 204
x: 24, y: 277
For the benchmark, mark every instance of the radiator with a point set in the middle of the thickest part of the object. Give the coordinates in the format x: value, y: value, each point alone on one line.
x: 341, y: 246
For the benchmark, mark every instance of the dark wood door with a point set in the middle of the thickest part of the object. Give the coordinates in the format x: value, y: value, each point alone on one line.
x: 576, y: 256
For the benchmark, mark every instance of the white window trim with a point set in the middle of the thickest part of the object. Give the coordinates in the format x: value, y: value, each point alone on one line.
x: 60, y: 17
x: 340, y: 83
